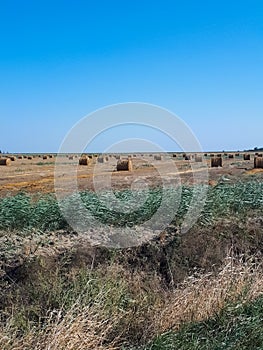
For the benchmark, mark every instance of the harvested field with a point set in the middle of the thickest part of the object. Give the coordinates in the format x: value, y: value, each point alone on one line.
x: 36, y: 176
x: 141, y: 289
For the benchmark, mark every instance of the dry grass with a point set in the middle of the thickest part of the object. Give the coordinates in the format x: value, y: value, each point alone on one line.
x: 132, y: 309
x: 201, y: 297
x: 81, y: 328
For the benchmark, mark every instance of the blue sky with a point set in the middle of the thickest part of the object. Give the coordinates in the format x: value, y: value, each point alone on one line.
x: 61, y: 60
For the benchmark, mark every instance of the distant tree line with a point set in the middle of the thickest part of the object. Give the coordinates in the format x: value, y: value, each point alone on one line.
x: 256, y: 149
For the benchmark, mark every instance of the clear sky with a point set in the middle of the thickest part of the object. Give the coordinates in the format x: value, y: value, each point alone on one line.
x: 61, y: 60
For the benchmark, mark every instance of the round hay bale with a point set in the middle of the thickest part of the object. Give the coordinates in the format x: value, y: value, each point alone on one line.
x: 219, y: 155
x: 246, y: 156
x: 83, y: 161
x: 259, y: 154
x: 258, y: 163
x: 231, y: 156
x: 186, y: 157
x: 117, y: 157
x: 90, y: 156
x: 124, y: 165
x: 174, y: 155
x: 205, y: 155
x: 20, y: 157
x: 216, y: 162
x: 29, y: 157
x: 198, y: 159
x: 50, y: 156
x: 12, y: 158
x: 5, y: 161
x: 157, y: 157
x: 237, y: 155
x: 212, y: 155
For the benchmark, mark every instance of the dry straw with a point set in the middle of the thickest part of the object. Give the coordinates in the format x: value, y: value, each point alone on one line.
x: 84, y: 160
x: 124, y: 165
x: 199, y: 298
x: 258, y: 163
x: 246, y: 156
x: 198, y: 159
x: 157, y: 157
x: 5, y: 161
x: 216, y: 162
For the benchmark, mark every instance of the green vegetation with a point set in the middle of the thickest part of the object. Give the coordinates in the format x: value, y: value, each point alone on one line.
x: 55, y: 303
x: 238, y: 326
x: 23, y: 211
x: 200, y: 290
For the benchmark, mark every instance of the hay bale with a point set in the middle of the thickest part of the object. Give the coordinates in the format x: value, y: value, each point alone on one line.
x: 117, y: 157
x: 237, y: 155
x: 259, y: 154
x: 20, y: 157
x: 246, y: 156
x: 44, y: 157
x: 205, y: 155
x: 231, y: 156
x: 186, y: 157
x: 5, y: 161
x: 212, y: 155
x: 29, y: 157
x: 124, y: 165
x: 157, y: 157
x: 12, y: 158
x: 198, y: 159
x: 219, y: 155
x: 101, y: 160
x: 258, y: 163
x: 216, y: 162
x: 83, y: 160
x: 70, y: 157
x: 50, y: 156
x: 174, y: 155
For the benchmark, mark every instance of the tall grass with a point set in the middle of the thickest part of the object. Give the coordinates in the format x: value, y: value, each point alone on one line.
x: 111, y: 308
x: 42, y: 212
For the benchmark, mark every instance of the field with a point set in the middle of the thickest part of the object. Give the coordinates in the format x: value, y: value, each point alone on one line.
x: 200, y: 289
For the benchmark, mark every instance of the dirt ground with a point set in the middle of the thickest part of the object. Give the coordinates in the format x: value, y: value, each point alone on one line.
x: 38, y: 175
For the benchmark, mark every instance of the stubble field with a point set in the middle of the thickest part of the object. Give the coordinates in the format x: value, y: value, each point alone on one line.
x: 196, y: 290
